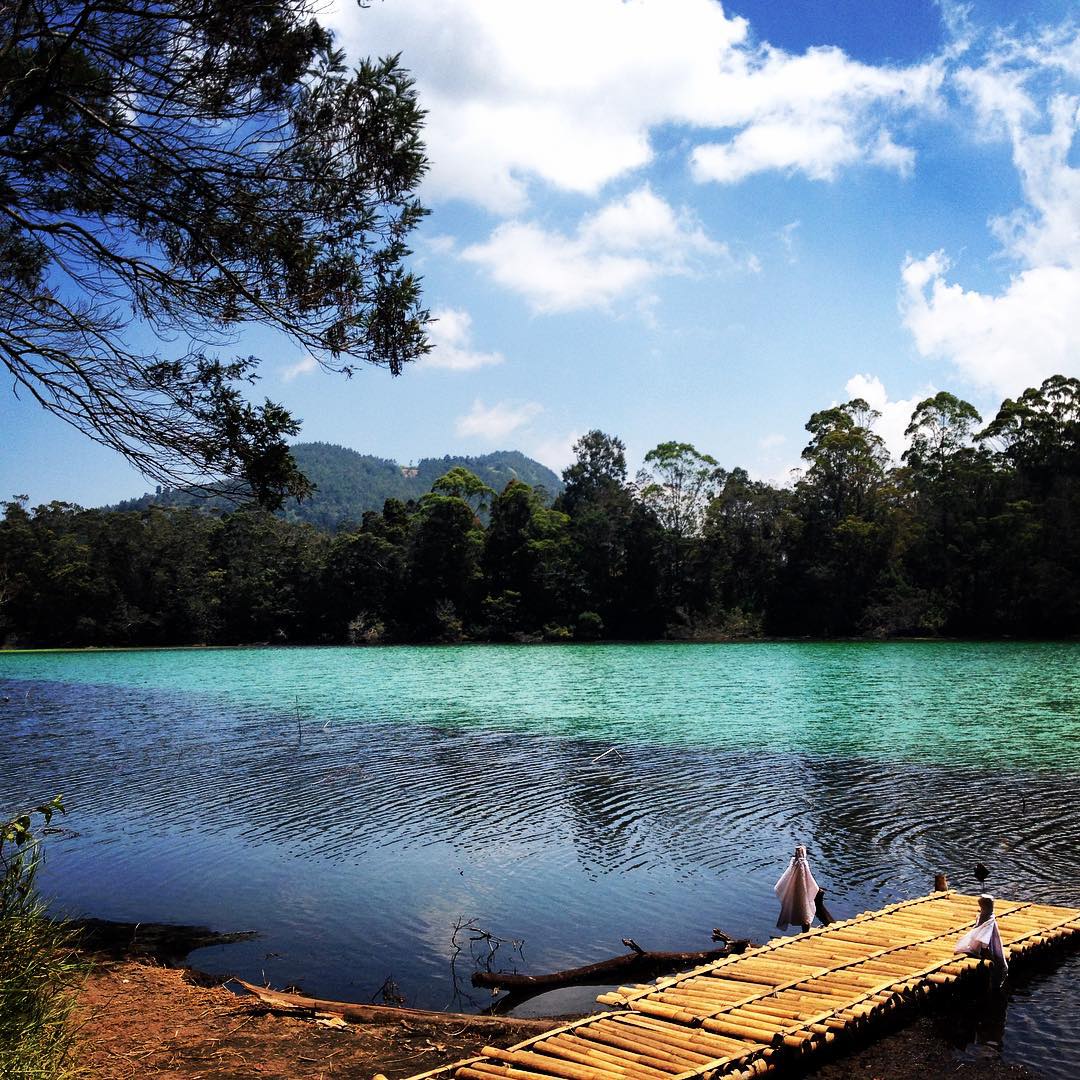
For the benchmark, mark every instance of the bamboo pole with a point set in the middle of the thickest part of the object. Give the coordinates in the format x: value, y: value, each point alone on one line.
x: 665, y: 1012
x: 483, y: 1069
x: 713, y: 986
x: 588, y: 1058
x: 743, y: 977
x: 697, y: 1041
x: 578, y: 1047
x: 645, y: 1043
x: 700, y: 1006
x: 662, y: 1066
x: 739, y: 1029
x: 565, y: 1070
x: 645, y: 1047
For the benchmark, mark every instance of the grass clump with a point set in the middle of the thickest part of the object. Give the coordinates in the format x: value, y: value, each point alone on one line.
x: 38, y: 962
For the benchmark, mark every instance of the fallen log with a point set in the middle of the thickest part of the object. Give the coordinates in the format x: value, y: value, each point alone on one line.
x: 166, y: 943
x: 356, y: 1012
x: 638, y: 965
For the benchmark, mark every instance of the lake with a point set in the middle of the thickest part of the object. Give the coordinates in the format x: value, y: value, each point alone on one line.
x: 361, y: 808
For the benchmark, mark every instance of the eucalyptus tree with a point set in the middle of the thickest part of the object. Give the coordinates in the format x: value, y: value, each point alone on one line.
x: 745, y: 530
x: 599, y: 502
x: 676, y: 485
x: 172, y: 171
x: 846, y: 460
x: 1036, y: 529
x: 527, y: 562
x: 842, y: 541
x: 1039, y: 432
x: 950, y: 482
x: 941, y: 428
x: 446, y: 543
x: 461, y: 483
x: 598, y: 473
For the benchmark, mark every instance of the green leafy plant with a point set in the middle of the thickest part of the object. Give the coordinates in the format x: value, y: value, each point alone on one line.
x: 38, y: 963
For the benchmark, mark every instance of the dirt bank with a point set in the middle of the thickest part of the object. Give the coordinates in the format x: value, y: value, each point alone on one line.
x: 139, y: 1020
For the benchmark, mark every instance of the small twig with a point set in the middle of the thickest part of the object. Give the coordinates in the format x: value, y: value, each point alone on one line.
x: 613, y: 750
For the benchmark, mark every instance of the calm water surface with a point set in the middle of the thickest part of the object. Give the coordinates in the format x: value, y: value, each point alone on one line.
x: 355, y: 806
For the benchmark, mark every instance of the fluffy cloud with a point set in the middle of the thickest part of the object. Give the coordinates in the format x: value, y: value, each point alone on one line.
x: 451, y: 339
x: 1004, y: 342
x: 895, y: 415
x: 616, y: 251
x: 555, y: 451
x: 495, y: 422
x: 302, y: 367
x: 567, y: 93
x: 816, y: 114
x: 1014, y: 338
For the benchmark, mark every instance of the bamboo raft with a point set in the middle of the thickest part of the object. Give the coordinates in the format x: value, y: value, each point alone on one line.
x: 745, y: 1015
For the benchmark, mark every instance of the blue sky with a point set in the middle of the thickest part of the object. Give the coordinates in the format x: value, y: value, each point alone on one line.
x: 676, y: 219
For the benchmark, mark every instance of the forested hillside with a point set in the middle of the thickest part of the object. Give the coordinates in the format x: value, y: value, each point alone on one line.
x: 975, y: 533
x: 348, y: 483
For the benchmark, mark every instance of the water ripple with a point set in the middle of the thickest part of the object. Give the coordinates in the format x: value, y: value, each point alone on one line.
x: 354, y: 805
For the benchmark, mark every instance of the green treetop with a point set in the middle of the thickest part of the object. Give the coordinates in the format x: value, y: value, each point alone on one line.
x: 197, y: 167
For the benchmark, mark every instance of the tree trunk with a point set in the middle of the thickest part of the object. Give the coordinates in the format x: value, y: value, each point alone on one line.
x: 638, y: 965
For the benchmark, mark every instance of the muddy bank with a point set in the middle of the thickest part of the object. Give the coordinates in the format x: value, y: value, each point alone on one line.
x: 136, y: 1019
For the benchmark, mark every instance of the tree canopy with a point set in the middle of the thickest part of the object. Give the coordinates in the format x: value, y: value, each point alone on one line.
x: 172, y: 171
x: 958, y: 540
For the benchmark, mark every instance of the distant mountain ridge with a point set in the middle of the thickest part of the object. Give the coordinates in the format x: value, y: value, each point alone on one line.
x: 348, y: 483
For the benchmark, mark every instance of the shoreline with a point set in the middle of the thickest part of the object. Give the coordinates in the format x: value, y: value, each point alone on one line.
x: 137, y: 1019
x: 138, y: 1013
x: 481, y: 643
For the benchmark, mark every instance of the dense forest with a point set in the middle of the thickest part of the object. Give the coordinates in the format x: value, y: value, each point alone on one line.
x: 348, y: 483
x: 975, y: 533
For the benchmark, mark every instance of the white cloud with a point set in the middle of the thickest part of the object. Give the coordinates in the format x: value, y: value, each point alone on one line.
x: 1023, y: 91
x: 895, y: 415
x: 302, y: 367
x: 819, y: 151
x: 1004, y: 342
x: 956, y: 15
x: 885, y: 152
x: 567, y: 93
x: 495, y: 422
x: 555, y: 451
x: 616, y: 251
x: 441, y: 244
x: 451, y: 338
x: 816, y: 113
x: 788, y: 236
x: 772, y: 441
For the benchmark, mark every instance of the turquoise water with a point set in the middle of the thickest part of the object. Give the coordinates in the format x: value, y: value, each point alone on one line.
x: 356, y: 805
x: 924, y: 701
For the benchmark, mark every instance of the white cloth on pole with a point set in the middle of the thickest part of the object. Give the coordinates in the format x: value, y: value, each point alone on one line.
x: 984, y: 938
x: 797, y: 890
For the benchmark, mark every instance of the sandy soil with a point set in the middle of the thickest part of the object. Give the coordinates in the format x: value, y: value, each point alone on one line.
x: 138, y: 1020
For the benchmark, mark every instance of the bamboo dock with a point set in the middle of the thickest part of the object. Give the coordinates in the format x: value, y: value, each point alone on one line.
x: 747, y: 1014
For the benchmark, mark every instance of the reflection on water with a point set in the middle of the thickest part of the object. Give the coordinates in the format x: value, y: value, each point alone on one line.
x: 356, y: 805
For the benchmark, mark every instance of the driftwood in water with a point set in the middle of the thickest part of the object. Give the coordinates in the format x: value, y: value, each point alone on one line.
x: 167, y: 943
x: 355, y: 1012
x: 633, y: 966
